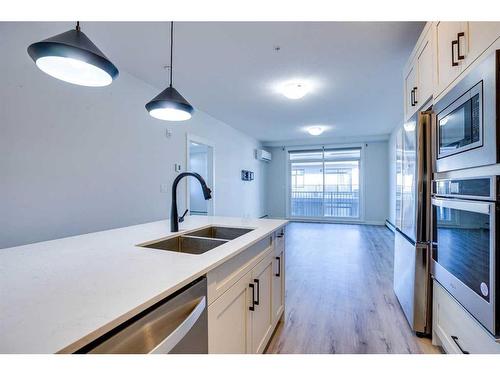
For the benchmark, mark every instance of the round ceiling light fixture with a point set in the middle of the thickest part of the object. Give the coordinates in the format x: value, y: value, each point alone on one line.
x: 170, y: 105
x: 295, y: 89
x: 410, y: 126
x: 315, y: 130
x: 73, y: 58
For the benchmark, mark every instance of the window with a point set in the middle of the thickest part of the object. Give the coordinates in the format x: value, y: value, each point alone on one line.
x: 298, y: 178
x: 325, y: 183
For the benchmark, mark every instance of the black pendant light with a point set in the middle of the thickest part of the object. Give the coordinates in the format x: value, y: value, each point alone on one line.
x: 169, y: 104
x: 73, y: 58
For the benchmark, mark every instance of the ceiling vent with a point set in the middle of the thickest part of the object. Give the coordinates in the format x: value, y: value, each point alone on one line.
x: 263, y: 155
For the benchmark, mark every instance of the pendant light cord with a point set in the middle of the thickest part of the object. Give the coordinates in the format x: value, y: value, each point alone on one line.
x: 77, y: 25
x: 171, y: 50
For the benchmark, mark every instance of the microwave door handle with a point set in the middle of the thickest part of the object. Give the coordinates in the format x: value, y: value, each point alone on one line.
x: 478, y: 207
x: 182, y: 329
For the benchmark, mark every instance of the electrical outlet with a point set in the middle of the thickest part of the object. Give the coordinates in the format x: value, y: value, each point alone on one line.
x: 164, y: 188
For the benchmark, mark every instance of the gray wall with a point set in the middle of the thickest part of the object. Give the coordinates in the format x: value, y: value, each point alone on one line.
x: 78, y: 159
x: 376, y: 174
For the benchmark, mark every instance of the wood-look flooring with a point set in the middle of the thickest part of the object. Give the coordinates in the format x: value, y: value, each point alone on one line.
x: 339, y: 296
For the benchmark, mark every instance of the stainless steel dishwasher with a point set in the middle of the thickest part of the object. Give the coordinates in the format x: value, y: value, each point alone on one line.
x: 176, y: 325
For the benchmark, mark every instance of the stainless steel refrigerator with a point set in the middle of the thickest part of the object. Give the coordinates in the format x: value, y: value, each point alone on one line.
x: 412, y: 283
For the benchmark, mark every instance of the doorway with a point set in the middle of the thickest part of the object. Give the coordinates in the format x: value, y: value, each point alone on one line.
x: 200, y: 159
x: 325, y: 184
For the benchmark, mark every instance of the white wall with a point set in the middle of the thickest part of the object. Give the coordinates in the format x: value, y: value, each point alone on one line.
x: 77, y: 159
x: 376, y: 196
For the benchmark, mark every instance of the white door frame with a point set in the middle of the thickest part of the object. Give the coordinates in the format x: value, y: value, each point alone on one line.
x: 211, y: 170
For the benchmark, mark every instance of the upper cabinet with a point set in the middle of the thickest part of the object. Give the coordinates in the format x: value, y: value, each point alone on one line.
x: 451, y: 47
x: 458, y: 45
x: 418, y: 83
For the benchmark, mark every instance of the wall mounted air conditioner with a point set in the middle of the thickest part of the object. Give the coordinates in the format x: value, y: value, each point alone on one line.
x: 263, y: 155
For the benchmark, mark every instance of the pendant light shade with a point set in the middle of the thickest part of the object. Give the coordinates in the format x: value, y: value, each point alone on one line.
x: 169, y: 104
x: 73, y: 58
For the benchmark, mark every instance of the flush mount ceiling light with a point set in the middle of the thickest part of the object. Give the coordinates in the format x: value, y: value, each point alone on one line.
x: 73, y: 58
x: 295, y: 89
x: 410, y: 126
x: 169, y: 104
x: 315, y: 130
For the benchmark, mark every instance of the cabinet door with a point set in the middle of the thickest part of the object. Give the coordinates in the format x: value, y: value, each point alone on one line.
x: 425, y: 66
x: 449, y: 44
x: 410, y: 85
x: 262, y: 322
x: 229, y: 325
x: 278, y: 291
x: 481, y: 35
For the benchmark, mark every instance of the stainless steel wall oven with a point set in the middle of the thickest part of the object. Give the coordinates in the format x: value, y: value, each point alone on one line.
x: 465, y: 214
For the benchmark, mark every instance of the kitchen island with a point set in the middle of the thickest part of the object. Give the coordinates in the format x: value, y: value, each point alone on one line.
x: 57, y: 296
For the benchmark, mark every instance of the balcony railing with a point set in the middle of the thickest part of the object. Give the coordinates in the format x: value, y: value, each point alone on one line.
x: 341, y: 204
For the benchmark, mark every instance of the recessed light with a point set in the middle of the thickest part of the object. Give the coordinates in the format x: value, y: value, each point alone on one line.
x: 315, y: 130
x: 295, y: 89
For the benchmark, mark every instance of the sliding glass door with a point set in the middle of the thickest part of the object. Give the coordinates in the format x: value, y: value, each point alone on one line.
x: 325, y: 183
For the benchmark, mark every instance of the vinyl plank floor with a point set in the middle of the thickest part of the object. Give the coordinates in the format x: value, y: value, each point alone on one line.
x: 339, y: 296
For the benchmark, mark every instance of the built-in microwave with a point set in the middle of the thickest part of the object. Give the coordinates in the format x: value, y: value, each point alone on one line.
x: 464, y: 244
x: 465, y: 126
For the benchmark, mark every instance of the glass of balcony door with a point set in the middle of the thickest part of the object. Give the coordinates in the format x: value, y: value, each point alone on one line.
x: 325, y: 183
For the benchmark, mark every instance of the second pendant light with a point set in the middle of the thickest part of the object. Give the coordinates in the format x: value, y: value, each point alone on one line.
x: 170, y: 105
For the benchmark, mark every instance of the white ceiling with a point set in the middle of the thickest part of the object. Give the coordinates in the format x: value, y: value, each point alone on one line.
x: 230, y: 69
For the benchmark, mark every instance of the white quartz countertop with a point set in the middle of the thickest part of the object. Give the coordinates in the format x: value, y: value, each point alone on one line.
x: 57, y: 296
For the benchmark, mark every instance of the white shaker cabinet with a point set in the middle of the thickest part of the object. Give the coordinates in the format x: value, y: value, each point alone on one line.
x: 278, y: 291
x: 451, y: 39
x: 418, y: 76
x: 481, y: 35
x: 262, y: 318
x: 410, y: 87
x: 229, y: 328
x: 243, y: 314
x: 459, y: 44
x: 455, y: 330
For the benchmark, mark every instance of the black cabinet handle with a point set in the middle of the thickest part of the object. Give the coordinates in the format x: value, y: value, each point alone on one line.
x: 252, y: 308
x: 278, y: 274
x: 415, y: 96
x: 460, y: 56
x: 256, y: 281
x: 412, y: 97
x: 453, y: 44
x: 455, y: 338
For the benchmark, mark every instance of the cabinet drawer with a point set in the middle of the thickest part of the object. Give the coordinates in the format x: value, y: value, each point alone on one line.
x: 279, y: 241
x: 456, y: 329
x: 227, y: 274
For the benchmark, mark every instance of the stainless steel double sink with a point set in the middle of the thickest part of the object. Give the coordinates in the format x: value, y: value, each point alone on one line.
x: 198, y: 241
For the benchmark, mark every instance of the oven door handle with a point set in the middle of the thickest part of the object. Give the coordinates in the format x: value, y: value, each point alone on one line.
x: 479, y: 207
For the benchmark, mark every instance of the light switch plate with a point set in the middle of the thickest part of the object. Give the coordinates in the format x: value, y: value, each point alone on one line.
x: 164, y: 188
